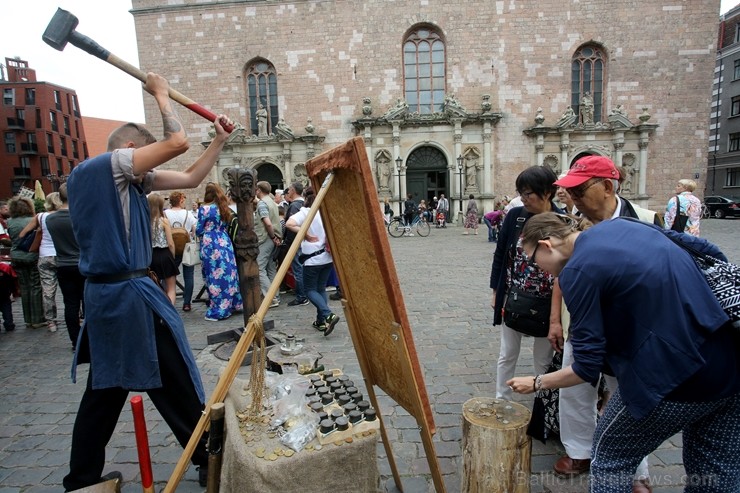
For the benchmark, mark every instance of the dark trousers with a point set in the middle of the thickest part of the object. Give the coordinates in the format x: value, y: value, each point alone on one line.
x: 72, y: 285
x: 99, y: 411
x: 6, y: 308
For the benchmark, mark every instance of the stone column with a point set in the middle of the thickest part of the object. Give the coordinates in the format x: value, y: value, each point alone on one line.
x: 287, y: 166
x: 487, y: 164
x: 618, y: 144
x: 367, y: 137
x: 457, y: 137
x: 641, y: 187
x: 540, y: 149
x: 564, y: 148
x: 397, y: 153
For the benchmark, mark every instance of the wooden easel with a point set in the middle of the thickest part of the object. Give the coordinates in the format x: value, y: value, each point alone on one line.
x: 378, y: 324
x: 373, y: 302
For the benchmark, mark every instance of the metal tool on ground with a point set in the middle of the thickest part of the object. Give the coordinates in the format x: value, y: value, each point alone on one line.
x: 61, y: 30
x: 142, y: 444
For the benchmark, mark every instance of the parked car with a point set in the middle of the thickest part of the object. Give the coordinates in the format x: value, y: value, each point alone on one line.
x: 720, y: 207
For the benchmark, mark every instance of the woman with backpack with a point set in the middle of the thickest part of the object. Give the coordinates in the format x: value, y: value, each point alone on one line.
x: 183, y: 231
x: 163, y: 246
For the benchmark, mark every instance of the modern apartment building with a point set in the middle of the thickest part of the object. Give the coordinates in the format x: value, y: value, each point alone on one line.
x: 41, y: 125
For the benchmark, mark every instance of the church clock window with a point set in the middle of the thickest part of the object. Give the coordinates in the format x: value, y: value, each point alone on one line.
x: 262, y: 96
x: 588, y: 68
x: 424, y: 70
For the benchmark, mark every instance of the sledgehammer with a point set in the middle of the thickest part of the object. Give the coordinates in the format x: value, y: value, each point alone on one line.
x: 61, y: 30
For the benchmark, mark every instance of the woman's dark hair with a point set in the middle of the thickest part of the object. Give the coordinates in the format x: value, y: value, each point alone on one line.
x: 308, y: 196
x: 538, y: 179
x: 471, y: 197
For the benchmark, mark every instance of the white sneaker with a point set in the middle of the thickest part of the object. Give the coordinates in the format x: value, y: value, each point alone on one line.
x: 274, y: 303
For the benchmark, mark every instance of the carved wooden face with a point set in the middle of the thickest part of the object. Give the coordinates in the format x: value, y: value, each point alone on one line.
x: 241, y: 183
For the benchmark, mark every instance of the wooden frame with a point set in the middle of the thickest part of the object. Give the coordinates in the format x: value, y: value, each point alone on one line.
x: 373, y: 302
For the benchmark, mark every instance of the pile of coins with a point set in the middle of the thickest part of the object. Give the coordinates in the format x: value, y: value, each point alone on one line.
x: 337, y: 402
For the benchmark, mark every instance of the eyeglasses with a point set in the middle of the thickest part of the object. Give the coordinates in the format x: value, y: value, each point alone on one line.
x: 579, y: 192
x: 534, y: 252
x: 525, y: 195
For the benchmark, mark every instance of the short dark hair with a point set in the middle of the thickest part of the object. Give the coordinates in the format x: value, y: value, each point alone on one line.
x: 264, y: 186
x: 130, y: 132
x: 539, y: 179
x: 297, y: 187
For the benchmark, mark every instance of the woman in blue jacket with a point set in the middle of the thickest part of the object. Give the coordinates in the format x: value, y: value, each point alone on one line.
x: 639, y: 303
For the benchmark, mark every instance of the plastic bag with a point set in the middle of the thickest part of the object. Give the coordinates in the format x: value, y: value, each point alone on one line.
x: 289, y: 395
x: 301, y: 433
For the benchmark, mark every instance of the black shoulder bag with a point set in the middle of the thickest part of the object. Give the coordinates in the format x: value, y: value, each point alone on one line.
x: 525, y: 312
x: 679, y: 223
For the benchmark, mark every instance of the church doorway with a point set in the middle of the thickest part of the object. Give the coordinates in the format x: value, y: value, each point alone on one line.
x: 270, y: 173
x: 426, y: 174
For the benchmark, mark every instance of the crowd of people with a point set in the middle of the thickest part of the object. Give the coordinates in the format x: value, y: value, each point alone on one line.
x: 573, y: 267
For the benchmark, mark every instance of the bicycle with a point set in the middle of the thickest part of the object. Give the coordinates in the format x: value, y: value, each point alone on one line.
x: 396, y: 228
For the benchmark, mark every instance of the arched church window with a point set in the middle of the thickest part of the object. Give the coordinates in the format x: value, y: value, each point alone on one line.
x: 262, y: 96
x: 588, y: 70
x: 424, y: 70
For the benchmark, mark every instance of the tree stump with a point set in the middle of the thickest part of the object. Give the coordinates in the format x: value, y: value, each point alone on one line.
x: 495, y: 446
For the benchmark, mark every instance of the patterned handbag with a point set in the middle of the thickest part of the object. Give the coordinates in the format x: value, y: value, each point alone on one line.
x: 723, y: 279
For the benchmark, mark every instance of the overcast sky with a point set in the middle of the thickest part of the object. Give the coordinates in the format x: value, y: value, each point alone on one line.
x: 105, y: 92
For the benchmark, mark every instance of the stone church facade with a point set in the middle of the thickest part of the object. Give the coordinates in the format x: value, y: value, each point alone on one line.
x: 450, y: 97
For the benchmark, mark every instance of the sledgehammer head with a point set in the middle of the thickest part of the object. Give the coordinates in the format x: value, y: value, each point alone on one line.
x: 58, y: 32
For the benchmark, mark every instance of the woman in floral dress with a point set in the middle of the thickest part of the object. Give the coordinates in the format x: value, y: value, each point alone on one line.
x: 218, y: 263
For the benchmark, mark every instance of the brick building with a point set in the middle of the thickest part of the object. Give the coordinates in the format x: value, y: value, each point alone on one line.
x: 450, y: 97
x: 42, y: 131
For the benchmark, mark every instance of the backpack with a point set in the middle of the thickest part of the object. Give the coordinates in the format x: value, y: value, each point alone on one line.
x: 180, y: 236
x: 233, y: 228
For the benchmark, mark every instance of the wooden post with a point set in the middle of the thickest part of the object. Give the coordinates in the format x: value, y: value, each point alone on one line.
x: 495, y: 446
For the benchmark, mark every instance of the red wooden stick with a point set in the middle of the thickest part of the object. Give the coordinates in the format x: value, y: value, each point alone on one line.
x: 142, y: 444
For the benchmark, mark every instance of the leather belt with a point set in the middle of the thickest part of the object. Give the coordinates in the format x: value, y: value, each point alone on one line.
x: 119, y: 277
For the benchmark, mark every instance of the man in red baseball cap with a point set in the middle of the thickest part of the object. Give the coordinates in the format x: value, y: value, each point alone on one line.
x: 592, y: 182
x: 586, y: 168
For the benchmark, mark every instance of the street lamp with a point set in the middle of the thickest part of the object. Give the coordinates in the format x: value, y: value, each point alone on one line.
x: 460, y: 172
x: 399, y: 162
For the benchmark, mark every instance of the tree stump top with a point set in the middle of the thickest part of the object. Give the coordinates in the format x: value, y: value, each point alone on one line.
x: 495, y: 413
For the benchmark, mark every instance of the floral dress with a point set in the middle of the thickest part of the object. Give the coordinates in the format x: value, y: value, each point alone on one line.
x: 218, y: 264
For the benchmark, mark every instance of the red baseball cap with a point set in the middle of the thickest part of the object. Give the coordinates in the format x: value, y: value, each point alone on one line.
x: 586, y: 168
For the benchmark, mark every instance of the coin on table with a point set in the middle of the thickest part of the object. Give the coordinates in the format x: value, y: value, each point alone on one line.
x: 289, y: 453
x: 272, y: 457
x: 319, y: 447
x: 260, y: 453
x: 338, y: 443
x: 348, y: 439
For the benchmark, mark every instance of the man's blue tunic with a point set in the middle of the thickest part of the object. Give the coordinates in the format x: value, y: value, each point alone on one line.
x: 119, y: 316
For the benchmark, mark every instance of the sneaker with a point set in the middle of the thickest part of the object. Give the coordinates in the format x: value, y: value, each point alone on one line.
x: 209, y: 319
x: 331, y: 322
x: 297, y: 302
x: 203, y: 476
x: 52, y: 327
x: 274, y: 303
x: 336, y: 296
x: 321, y: 327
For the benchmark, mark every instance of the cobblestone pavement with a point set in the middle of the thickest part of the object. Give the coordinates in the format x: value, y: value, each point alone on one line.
x: 444, y: 278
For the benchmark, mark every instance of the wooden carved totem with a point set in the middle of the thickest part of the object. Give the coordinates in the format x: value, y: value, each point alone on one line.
x: 242, y: 185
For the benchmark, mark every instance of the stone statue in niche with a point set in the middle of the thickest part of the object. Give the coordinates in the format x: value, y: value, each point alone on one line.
x: 472, y: 165
x: 383, y: 165
x: 587, y: 109
x: 567, y: 119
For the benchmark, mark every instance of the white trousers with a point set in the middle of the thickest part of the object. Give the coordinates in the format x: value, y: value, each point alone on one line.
x: 511, y: 343
x: 578, y: 416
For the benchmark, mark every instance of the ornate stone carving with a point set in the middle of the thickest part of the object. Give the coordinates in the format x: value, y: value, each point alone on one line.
x: 452, y: 107
x: 283, y: 130
x: 539, y: 118
x: 551, y: 161
x: 367, y: 109
x: 567, y: 119
x: 300, y: 174
x: 309, y: 126
x: 397, y: 112
x: 644, y: 116
x: 262, y: 121
x: 628, y: 168
x: 383, y: 167
x: 485, y: 104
